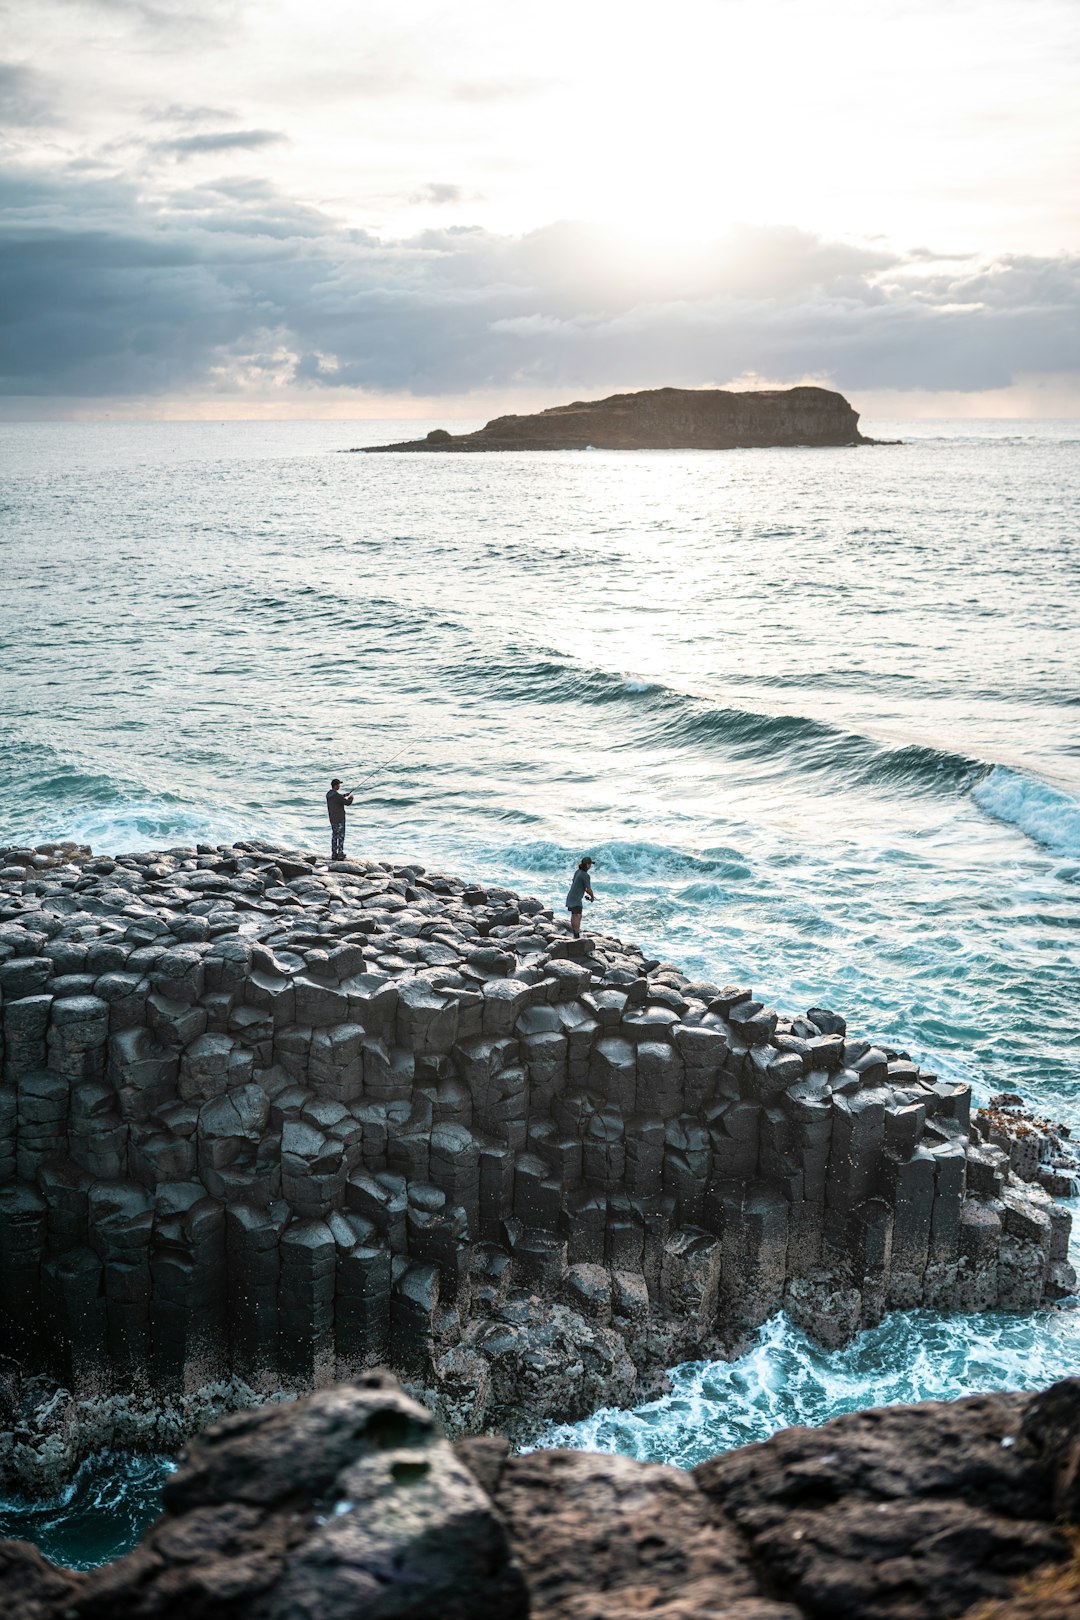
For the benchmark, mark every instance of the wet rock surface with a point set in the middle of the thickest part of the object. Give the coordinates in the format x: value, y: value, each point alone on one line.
x: 352, y: 1503
x: 268, y: 1120
x: 665, y: 419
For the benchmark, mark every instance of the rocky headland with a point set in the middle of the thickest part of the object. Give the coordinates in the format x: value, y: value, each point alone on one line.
x: 665, y: 419
x: 267, y: 1121
x: 352, y: 1503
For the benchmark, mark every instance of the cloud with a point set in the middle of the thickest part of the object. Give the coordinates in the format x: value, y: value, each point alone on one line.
x: 439, y: 192
x: 443, y: 194
x: 24, y: 102
x: 234, y: 286
x: 484, y: 91
x: 219, y: 140
x: 187, y: 19
x: 180, y: 113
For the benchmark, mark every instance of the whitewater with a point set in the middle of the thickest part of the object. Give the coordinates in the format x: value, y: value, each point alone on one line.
x: 813, y: 713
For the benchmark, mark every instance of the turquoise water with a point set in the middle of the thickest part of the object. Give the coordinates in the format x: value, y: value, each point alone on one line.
x: 101, y: 1514
x: 814, y: 713
x: 786, y: 1379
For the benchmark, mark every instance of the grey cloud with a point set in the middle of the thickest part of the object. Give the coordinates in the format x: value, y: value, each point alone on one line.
x: 195, y: 19
x: 442, y: 193
x: 99, y: 296
x: 219, y: 140
x: 24, y: 99
x: 438, y: 191
x: 926, y: 255
x: 179, y: 113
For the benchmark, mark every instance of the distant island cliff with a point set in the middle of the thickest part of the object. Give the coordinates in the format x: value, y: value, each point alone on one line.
x: 665, y: 419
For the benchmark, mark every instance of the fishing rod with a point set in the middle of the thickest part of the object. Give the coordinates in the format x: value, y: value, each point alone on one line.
x: 382, y: 767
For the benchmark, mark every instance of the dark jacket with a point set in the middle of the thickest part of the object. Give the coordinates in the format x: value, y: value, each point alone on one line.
x: 335, y: 806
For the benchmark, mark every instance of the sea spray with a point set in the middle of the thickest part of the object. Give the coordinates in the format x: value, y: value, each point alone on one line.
x: 1045, y: 813
x: 786, y: 1379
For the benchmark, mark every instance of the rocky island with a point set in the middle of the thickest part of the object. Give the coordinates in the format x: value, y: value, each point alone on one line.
x: 665, y: 419
x: 267, y: 1121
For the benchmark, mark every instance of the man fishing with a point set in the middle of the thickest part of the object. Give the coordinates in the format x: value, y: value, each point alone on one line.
x: 580, y: 889
x: 335, y: 809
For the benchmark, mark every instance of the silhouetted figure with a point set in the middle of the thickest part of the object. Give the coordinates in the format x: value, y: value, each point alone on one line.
x: 335, y: 809
x: 580, y: 889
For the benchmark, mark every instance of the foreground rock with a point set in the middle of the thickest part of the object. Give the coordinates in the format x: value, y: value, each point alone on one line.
x: 266, y: 1121
x: 351, y: 1504
x: 666, y: 419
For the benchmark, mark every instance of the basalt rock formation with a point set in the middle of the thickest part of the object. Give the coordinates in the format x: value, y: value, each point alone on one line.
x: 268, y: 1120
x: 666, y: 419
x: 352, y: 1503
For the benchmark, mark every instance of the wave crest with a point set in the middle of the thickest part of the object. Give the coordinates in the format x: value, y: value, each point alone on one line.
x: 658, y: 714
x: 1046, y: 814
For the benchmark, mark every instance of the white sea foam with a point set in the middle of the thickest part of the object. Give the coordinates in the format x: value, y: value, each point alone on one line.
x: 1044, y: 813
x: 786, y: 1379
x: 127, y: 826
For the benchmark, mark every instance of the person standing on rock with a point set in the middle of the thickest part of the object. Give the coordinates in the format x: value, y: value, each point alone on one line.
x: 580, y: 889
x: 335, y: 809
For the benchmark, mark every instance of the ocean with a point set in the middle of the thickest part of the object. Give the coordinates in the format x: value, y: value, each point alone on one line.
x: 814, y: 713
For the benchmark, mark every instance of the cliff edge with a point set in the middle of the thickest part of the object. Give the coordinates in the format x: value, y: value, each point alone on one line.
x: 666, y: 419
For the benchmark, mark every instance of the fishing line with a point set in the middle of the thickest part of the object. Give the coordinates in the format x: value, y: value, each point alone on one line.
x: 379, y: 768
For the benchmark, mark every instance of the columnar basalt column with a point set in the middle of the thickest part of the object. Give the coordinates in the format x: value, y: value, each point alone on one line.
x: 269, y: 1119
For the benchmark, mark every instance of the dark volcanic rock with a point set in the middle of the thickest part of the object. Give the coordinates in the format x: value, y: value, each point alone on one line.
x: 388, y: 1117
x: 30, y: 1587
x: 351, y: 1505
x: 905, y: 1512
x: 608, y: 1536
x: 666, y: 419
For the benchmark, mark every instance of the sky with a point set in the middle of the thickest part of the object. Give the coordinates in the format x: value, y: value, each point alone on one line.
x: 315, y: 208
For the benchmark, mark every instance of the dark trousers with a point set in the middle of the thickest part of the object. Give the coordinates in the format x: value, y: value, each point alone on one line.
x: 337, y: 840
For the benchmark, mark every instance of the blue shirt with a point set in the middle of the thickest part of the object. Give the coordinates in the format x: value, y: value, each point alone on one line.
x: 578, y: 888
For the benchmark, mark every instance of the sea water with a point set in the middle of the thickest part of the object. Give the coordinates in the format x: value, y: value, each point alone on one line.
x: 814, y: 713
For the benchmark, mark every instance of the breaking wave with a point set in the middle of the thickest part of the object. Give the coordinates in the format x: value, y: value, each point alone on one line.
x: 1044, y: 813
x: 101, y: 1514
x: 786, y: 1379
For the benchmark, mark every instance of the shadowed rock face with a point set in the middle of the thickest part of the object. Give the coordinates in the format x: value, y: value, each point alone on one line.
x: 351, y: 1503
x: 267, y: 1121
x: 666, y: 419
